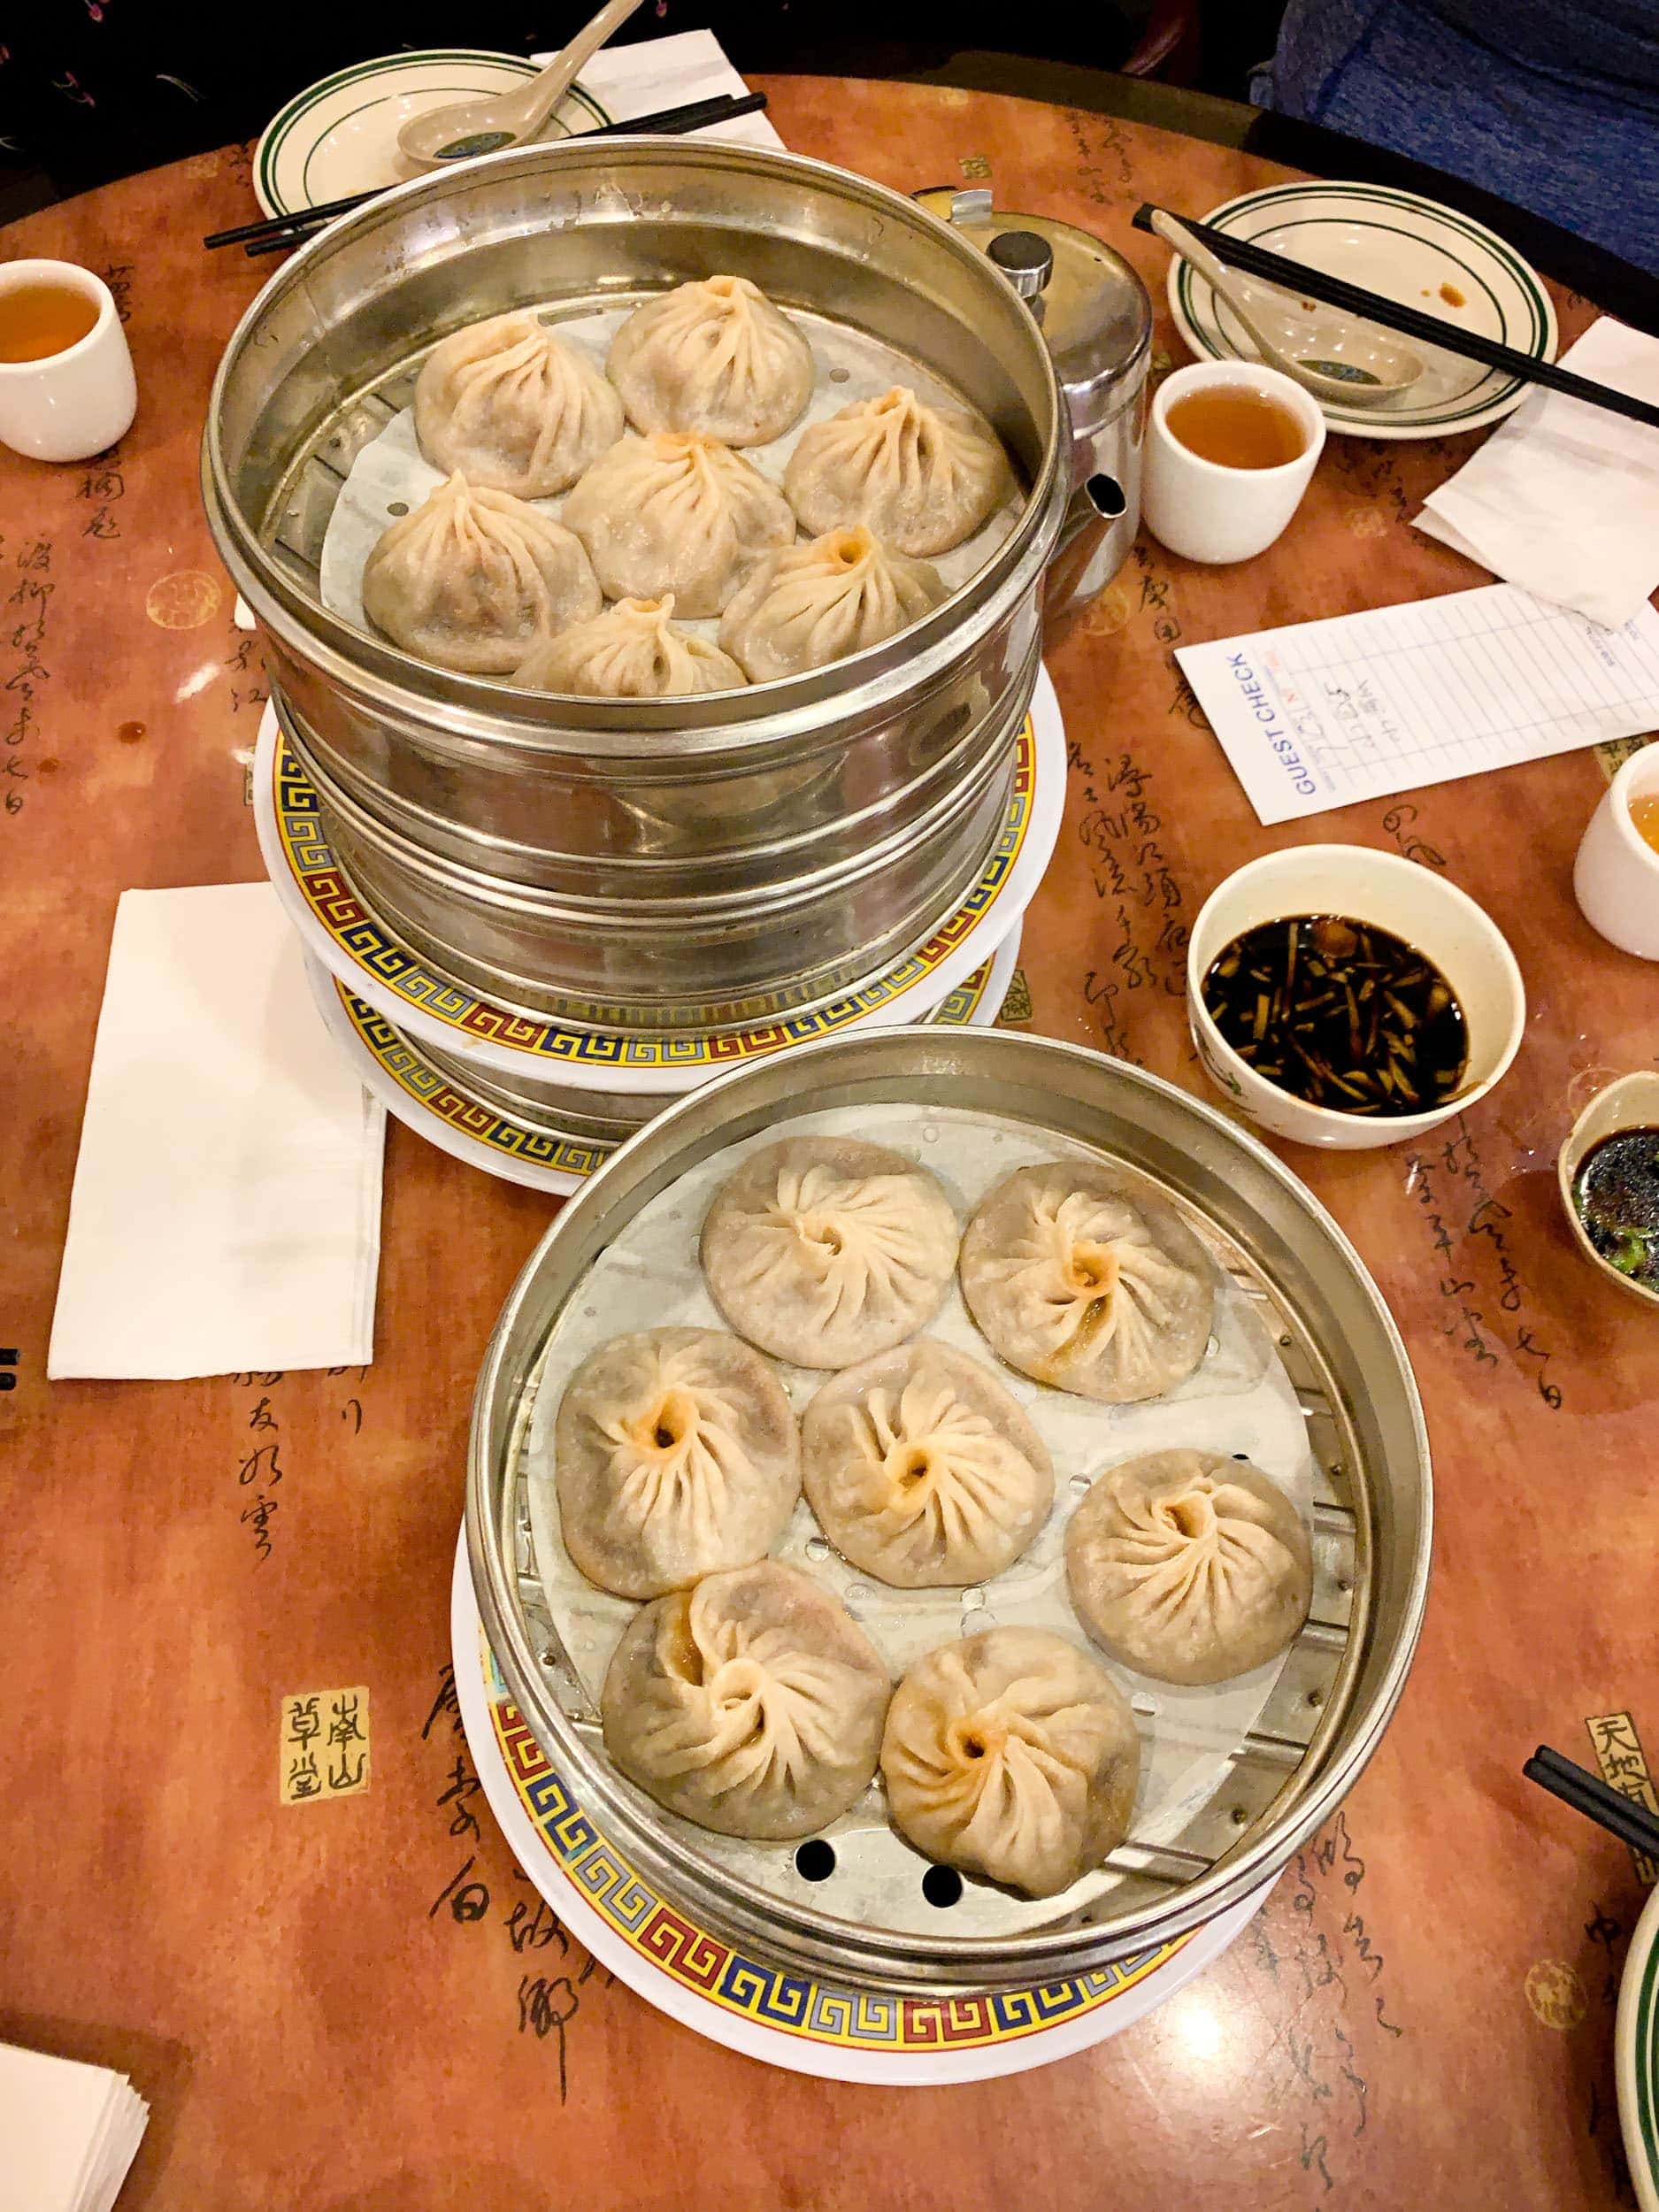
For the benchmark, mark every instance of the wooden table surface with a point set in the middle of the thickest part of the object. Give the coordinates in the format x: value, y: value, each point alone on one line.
x: 1423, y: 2012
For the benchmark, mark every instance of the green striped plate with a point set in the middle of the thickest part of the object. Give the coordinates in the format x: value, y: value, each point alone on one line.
x: 1636, y: 2056
x: 340, y: 135
x: 1411, y: 250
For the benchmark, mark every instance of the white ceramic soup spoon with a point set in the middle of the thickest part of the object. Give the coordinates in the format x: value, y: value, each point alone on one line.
x: 465, y: 127
x: 1345, y: 364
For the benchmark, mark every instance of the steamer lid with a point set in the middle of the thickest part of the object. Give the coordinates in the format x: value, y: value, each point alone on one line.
x: 1093, y: 308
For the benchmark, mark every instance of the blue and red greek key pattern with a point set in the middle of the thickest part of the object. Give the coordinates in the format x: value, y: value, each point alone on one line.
x: 957, y: 1008
x: 579, y: 1156
x: 789, y: 2002
x: 328, y: 893
x: 434, y: 1092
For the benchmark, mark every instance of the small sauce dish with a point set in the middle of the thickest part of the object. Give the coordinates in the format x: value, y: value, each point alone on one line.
x: 1630, y: 1104
x: 1391, y: 894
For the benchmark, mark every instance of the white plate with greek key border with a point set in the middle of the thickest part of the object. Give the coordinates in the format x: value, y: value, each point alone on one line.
x: 837, y: 2034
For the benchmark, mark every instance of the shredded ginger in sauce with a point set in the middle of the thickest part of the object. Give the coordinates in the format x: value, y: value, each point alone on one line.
x: 1339, y: 1013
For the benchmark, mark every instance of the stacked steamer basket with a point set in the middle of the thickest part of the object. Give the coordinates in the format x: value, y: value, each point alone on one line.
x: 537, y: 919
x: 847, y: 1954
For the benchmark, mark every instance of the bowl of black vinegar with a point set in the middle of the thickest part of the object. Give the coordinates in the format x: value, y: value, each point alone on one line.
x: 1609, y: 1172
x: 1348, y: 998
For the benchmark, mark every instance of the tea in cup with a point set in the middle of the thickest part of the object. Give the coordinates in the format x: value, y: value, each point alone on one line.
x: 67, y: 385
x: 1616, y: 876
x: 1230, y: 449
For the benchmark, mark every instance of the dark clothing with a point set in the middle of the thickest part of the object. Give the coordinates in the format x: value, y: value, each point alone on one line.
x: 1553, y: 105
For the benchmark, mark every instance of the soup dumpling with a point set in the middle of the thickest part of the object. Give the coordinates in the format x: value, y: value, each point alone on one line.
x: 1189, y: 1566
x: 826, y: 1250
x: 922, y: 1470
x: 715, y: 357
x: 816, y: 602
x: 751, y: 1703
x: 474, y: 579
x: 513, y: 407
x: 633, y: 650
x: 921, y: 477
x: 1081, y: 1282
x: 677, y: 512
x: 1012, y: 1754
x: 675, y: 1454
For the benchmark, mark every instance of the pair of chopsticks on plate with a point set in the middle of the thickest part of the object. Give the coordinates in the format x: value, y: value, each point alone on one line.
x: 277, y: 233
x: 1410, y: 322
x: 1596, y: 1800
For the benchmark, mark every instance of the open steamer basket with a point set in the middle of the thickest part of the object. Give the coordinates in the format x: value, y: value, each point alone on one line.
x: 701, y: 862
x: 1333, y: 1696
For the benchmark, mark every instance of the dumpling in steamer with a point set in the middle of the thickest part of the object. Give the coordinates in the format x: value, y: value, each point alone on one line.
x: 826, y: 1250
x: 513, y: 407
x: 1189, y: 1566
x: 814, y: 603
x: 678, y: 513
x: 922, y: 477
x: 474, y: 579
x: 633, y: 650
x: 750, y: 1704
x: 923, y: 1469
x: 675, y: 1454
x: 1082, y: 1283
x: 714, y: 355
x: 1013, y: 1754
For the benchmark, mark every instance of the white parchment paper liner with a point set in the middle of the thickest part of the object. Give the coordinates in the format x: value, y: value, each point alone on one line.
x: 1238, y: 1400
x: 390, y: 476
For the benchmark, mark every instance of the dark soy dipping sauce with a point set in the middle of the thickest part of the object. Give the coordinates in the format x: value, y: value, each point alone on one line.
x: 1616, y: 1194
x: 1339, y: 1013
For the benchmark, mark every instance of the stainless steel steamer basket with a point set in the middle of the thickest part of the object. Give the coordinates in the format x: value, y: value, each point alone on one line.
x: 560, y: 1109
x: 585, y: 961
x: 638, y: 801
x: 549, y: 1108
x: 1342, y: 1679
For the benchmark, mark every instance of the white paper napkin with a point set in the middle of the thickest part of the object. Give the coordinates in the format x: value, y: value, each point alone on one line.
x: 226, y: 1205
x: 68, y: 2133
x: 669, y: 72
x: 1563, y: 498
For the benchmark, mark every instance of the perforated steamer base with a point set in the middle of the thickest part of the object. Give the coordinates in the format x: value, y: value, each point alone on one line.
x: 1348, y: 1409
x: 809, y: 2026
x: 878, y: 1878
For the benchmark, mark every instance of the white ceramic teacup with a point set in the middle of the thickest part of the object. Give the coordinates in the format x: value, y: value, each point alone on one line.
x: 1203, y: 509
x: 1616, y: 876
x: 1364, y: 885
x: 74, y: 403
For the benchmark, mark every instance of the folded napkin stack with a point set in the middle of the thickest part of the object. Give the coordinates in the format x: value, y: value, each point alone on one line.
x: 227, y: 1206
x: 68, y: 2133
x: 1563, y: 498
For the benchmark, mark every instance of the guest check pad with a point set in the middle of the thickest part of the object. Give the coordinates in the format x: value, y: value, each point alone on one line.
x: 1363, y: 705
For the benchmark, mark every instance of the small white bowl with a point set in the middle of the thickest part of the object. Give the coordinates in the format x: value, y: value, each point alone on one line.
x: 1631, y: 1102
x: 1429, y: 913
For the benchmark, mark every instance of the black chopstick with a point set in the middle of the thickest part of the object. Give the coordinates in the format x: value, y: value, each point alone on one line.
x: 1596, y: 1800
x: 273, y: 233
x: 1410, y: 322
